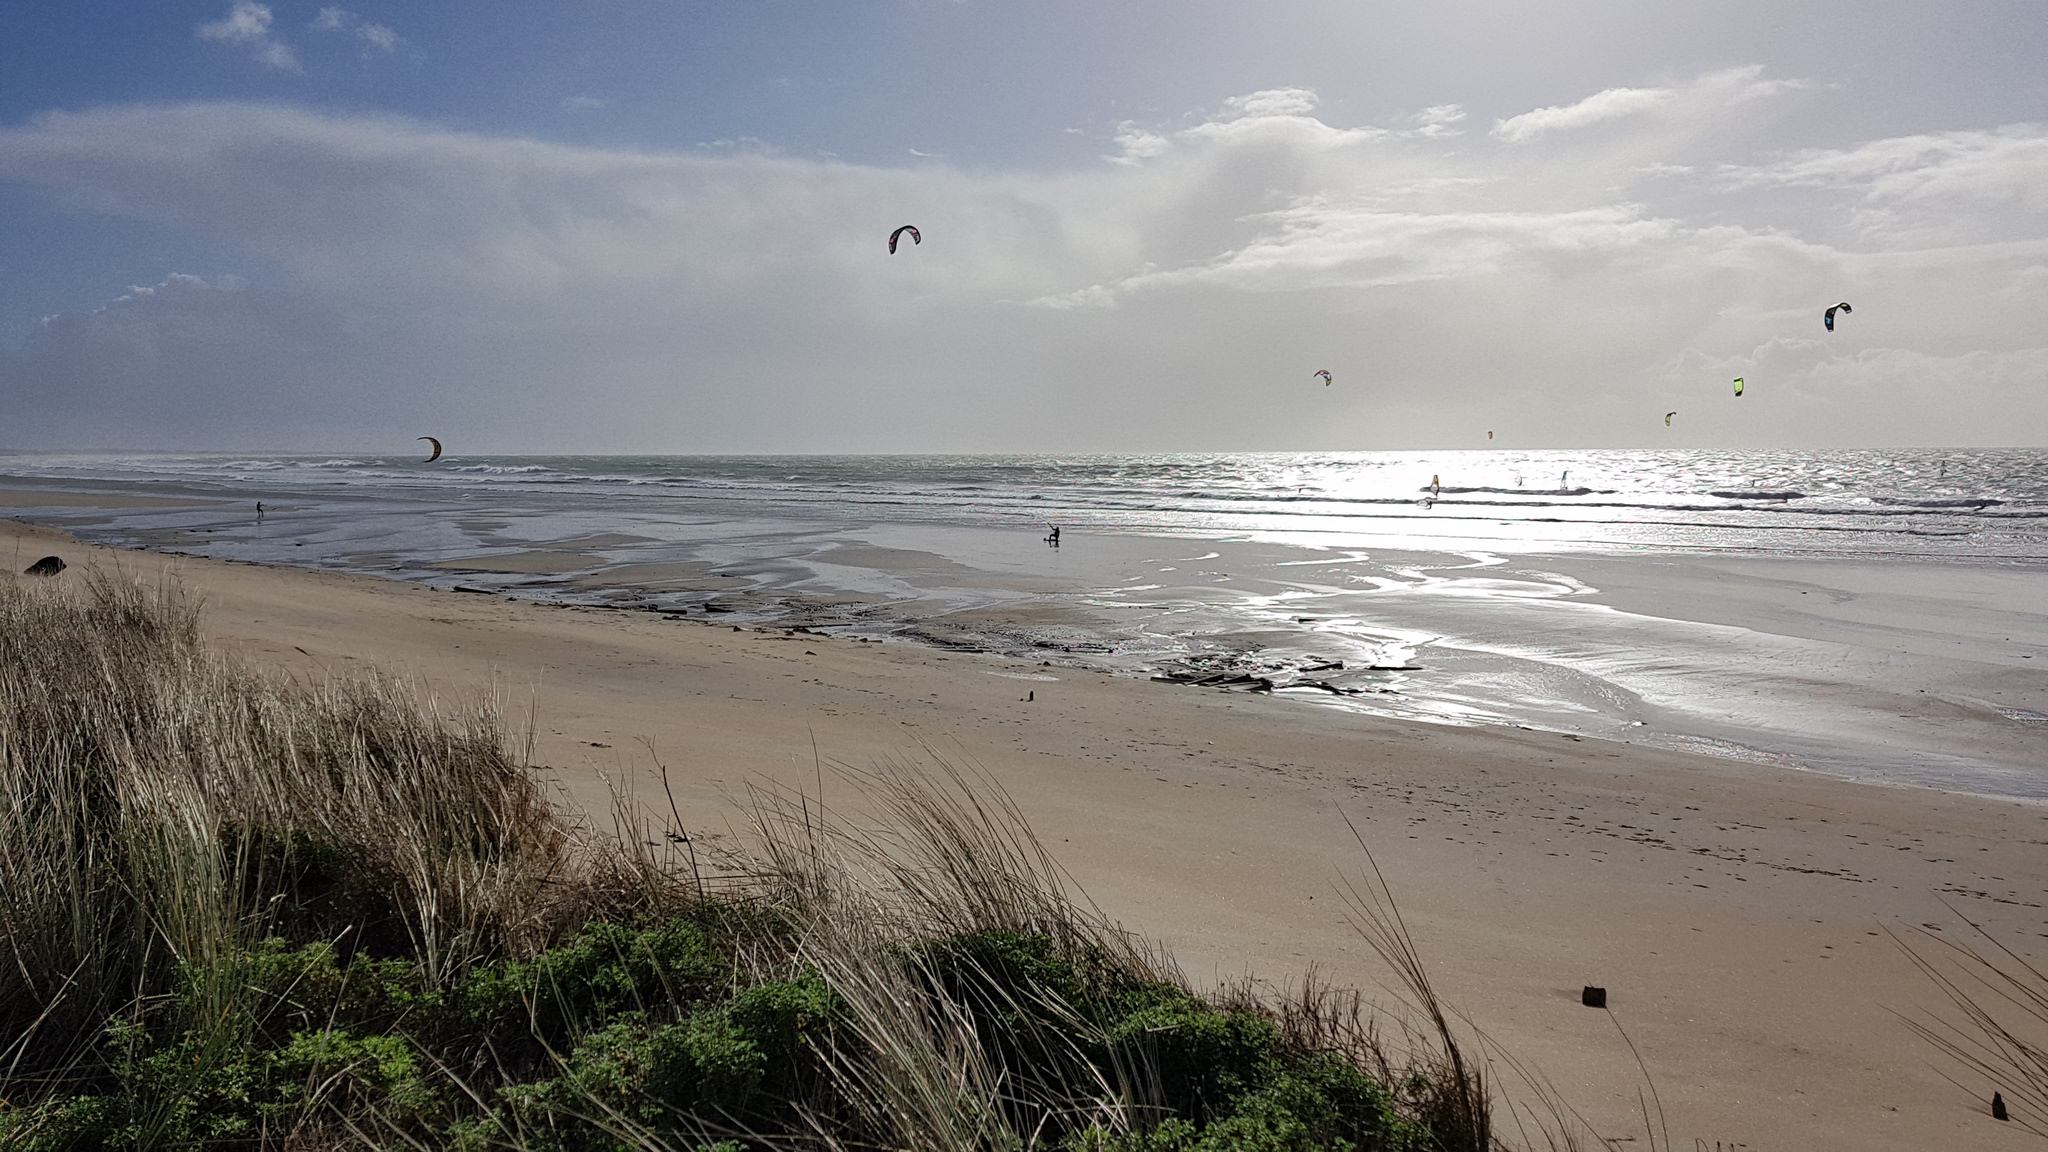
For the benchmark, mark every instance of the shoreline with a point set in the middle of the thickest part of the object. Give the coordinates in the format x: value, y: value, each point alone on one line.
x: 1923, y: 674
x: 1732, y: 910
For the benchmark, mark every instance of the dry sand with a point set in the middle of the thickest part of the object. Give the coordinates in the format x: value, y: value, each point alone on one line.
x: 1734, y: 912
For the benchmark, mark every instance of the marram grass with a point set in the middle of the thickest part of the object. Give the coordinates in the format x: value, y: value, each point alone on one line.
x: 241, y: 910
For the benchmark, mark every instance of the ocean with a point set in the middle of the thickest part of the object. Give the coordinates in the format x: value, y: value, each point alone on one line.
x: 1927, y: 502
x: 1868, y: 613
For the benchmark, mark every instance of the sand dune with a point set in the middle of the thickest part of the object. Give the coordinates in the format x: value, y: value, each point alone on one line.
x: 1733, y: 911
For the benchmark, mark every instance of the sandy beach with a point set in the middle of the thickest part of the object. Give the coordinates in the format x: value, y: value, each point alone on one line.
x: 1583, y: 467
x: 1737, y: 913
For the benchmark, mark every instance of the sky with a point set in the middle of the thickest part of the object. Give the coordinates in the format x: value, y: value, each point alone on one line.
x: 641, y: 226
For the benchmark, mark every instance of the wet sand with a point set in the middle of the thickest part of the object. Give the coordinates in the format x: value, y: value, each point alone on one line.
x: 1734, y: 911
x: 529, y: 563
x: 26, y: 497
x: 1887, y: 667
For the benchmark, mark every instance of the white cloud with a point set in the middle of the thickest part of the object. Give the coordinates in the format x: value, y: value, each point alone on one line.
x: 1135, y: 144
x: 1323, y: 245
x: 583, y: 102
x: 1272, y: 102
x: 1947, y: 187
x: 1711, y: 93
x: 555, y: 298
x: 245, y: 23
x: 1611, y: 104
x: 279, y: 55
x: 1093, y: 296
x: 249, y: 23
x: 377, y: 39
x: 1281, y: 116
x: 1439, y: 120
x: 179, y: 282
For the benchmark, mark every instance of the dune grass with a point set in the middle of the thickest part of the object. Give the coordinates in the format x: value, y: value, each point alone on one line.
x: 239, y: 910
x: 1995, y: 1029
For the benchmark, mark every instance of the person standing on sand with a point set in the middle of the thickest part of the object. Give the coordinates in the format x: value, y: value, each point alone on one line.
x: 1053, y: 537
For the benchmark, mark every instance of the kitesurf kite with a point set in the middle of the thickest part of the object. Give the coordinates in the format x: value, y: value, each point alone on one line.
x: 898, y: 235
x: 1667, y: 418
x: 1738, y: 385
x: 437, y: 448
x: 1489, y: 433
x: 1324, y: 374
x: 1828, y: 317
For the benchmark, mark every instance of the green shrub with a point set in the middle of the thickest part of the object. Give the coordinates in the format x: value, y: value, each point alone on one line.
x: 1201, y: 1059
x: 241, y: 911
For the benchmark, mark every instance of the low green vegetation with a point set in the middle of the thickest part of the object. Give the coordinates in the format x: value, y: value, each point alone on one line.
x: 242, y: 911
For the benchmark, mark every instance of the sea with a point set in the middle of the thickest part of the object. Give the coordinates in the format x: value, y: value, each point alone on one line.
x: 1869, y: 613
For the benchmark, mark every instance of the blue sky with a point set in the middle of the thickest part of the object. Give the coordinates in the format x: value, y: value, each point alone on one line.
x: 232, y: 224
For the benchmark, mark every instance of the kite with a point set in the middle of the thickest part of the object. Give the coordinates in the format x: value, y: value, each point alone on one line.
x: 1828, y: 317
x: 1667, y: 418
x: 1324, y: 373
x: 898, y: 235
x: 1738, y: 385
x: 437, y: 448
x: 1489, y: 433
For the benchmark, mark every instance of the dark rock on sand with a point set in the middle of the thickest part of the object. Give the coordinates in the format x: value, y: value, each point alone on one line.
x: 1217, y: 680
x: 47, y: 566
x: 1320, y: 686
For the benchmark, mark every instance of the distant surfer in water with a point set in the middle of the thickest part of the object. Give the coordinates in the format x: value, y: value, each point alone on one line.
x: 259, y: 511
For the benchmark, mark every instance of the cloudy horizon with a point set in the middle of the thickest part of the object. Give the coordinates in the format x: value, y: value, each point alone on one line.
x: 333, y: 233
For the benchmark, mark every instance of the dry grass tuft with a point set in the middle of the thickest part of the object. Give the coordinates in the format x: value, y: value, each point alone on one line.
x: 162, y: 808
x: 1997, y: 1033
x: 277, y: 913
